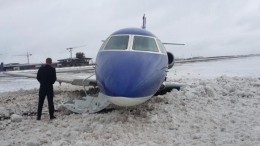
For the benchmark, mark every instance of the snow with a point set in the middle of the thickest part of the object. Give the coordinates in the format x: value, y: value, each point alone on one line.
x: 16, y: 118
x: 211, y: 109
x: 241, y: 67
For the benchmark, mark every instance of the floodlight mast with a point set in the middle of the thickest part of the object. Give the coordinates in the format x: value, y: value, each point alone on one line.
x: 70, y: 50
x: 28, y: 57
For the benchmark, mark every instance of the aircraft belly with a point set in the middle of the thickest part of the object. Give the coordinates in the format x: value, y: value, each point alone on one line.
x: 126, y: 101
x: 130, y: 74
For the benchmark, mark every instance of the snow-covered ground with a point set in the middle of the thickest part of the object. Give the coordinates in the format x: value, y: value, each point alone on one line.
x: 240, y: 67
x: 220, y: 105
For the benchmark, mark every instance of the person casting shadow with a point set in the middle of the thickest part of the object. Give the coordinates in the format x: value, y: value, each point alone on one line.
x: 46, y: 75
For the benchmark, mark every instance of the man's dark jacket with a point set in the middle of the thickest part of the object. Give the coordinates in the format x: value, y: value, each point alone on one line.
x: 46, y: 76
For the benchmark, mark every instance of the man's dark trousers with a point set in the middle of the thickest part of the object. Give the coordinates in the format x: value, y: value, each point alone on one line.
x: 46, y: 90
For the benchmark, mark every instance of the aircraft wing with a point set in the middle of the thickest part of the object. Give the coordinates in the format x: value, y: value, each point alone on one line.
x: 91, y: 104
x: 86, y: 80
x: 64, y: 69
x: 71, y: 75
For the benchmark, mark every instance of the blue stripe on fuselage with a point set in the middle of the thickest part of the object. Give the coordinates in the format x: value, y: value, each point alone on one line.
x: 130, y: 73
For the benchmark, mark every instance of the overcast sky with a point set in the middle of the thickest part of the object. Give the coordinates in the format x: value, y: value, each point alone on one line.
x: 45, y: 28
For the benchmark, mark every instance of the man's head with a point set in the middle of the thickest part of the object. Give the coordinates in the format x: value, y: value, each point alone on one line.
x: 48, y: 61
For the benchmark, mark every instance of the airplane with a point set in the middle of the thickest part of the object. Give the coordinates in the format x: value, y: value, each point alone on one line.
x: 131, y: 67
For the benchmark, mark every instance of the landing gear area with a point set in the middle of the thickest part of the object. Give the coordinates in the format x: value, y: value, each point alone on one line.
x: 93, y: 102
x: 168, y: 87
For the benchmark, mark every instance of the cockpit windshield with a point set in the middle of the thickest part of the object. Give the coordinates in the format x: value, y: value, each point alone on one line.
x: 161, y: 47
x: 144, y: 44
x: 117, y: 43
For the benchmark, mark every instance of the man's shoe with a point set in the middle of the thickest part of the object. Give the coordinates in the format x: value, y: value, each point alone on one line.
x: 52, y: 117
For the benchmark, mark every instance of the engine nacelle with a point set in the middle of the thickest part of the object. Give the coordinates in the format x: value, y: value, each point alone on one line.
x: 170, y: 60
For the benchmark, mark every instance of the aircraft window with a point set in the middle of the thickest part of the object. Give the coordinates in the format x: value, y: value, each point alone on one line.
x: 104, y: 43
x: 144, y: 44
x: 117, y: 43
x: 161, y: 46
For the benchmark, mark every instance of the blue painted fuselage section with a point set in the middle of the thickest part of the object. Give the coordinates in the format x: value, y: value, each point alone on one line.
x: 129, y: 73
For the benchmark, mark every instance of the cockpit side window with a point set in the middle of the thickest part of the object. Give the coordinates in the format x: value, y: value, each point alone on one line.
x: 144, y: 44
x: 161, y: 46
x: 117, y: 43
x: 104, y: 43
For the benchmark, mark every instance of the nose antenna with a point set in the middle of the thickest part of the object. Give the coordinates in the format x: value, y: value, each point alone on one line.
x: 144, y: 22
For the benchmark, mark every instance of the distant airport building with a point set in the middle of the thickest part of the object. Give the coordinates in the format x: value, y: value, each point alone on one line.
x: 74, y: 62
x: 79, y: 60
x: 61, y: 63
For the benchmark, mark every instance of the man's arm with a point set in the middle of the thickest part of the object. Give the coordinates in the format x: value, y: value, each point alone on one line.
x: 39, y: 75
x: 54, y: 76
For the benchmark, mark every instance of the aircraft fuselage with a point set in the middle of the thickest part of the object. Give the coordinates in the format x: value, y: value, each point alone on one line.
x: 131, y: 66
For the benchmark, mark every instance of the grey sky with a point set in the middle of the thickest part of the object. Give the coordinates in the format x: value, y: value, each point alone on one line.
x: 45, y: 28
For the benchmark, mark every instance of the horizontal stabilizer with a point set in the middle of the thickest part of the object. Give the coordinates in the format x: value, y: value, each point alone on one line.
x: 173, y: 44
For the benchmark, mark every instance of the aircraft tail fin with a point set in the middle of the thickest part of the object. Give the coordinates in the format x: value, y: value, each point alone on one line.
x: 144, y: 22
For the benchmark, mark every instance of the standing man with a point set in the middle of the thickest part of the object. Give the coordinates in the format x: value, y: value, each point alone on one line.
x: 46, y: 76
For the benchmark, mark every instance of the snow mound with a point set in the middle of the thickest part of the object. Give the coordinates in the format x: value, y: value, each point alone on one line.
x: 221, y: 111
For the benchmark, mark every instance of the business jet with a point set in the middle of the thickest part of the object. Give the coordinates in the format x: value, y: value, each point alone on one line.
x: 131, y: 67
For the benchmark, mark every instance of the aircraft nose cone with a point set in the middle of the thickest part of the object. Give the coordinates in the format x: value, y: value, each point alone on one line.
x: 130, y: 74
